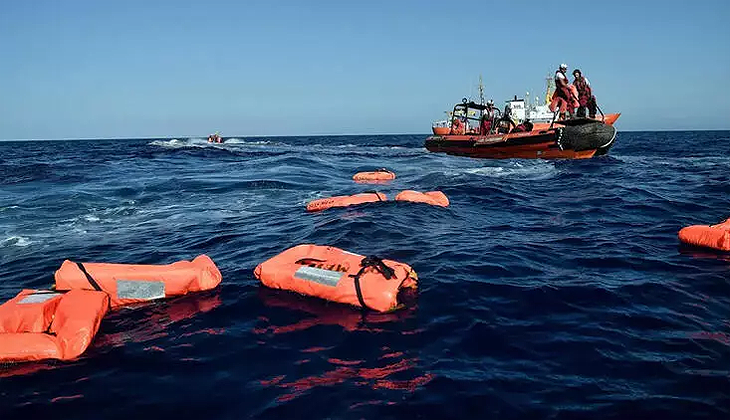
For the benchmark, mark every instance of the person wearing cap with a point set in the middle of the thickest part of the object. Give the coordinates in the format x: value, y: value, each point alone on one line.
x: 585, y: 95
x: 485, y: 126
x: 562, y: 97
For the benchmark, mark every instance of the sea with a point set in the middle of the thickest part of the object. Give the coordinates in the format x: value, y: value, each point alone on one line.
x: 547, y: 289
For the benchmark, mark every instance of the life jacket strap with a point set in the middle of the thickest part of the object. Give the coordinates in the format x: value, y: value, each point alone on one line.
x: 373, y: 192
x: 376, y: 263
x: 91, y: 280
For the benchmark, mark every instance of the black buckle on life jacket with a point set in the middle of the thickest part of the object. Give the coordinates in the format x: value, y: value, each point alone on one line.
x: 376, y: 263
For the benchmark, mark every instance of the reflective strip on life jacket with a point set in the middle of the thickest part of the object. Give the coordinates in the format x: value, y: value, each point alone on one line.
x: 140, y: 289
x: 37, y: 298
x: 318, y: 275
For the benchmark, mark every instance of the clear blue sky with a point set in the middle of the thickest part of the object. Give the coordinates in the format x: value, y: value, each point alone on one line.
x: 88, y: 69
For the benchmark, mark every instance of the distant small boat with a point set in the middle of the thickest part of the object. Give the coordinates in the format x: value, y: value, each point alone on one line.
x: 215, y: 138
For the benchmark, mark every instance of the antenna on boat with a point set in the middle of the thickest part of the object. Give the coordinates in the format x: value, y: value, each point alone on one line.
x: 481, y: 90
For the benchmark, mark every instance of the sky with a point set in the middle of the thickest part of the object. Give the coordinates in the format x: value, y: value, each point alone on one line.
x: 157, y: 68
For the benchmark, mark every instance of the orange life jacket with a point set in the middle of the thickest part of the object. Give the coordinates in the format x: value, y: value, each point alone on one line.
x: 345, y: 201
x: 711, y: 236
x: 434, y: 198
x: 130, y: 283
x: 42, y: 324
x: 339, y: 276
x: 379, y: 175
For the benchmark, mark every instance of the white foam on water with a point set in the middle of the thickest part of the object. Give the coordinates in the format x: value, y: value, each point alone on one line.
x: 174, y: 143
x: 262, y: 143
x: 20, y: 241
x: 537, y: 170
x: 178, y: 144
x: 311, y: 196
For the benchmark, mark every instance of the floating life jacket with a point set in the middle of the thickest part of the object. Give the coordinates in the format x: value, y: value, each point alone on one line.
x: 43, y: 324
x: 345, y: 200
x: 378, y: 175
x: 712, y: 236
x: 339, y: 276
x: 129, y: 283
x: 434, y: 198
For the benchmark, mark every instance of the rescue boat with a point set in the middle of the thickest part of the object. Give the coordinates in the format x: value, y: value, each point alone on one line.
x: 215, y: 138
x: 577, y: 138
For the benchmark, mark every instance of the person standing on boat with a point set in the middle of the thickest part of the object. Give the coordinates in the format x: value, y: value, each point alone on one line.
x: 485, y: 126
x: 585, y: 95
x: 562, y: 97
x: 457, y: 126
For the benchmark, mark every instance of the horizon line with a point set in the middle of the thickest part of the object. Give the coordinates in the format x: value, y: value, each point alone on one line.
x: 307, y: 135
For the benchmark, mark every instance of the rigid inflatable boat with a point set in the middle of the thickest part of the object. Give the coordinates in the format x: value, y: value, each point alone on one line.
x: 339, y: 276
x: 577, y: 138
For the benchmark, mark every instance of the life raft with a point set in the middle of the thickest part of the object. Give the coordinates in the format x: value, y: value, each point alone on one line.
x: 381, y: 174
x: 43, y: 324
x: 131, y: 283
x: 345, y: 201
x: 339, y: 276
x: 711, y: 236
x: 434, y: 198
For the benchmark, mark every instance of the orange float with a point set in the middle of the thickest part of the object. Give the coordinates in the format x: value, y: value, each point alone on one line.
x: 40, y: 324
x: 434, y: 198
x: 711, y: 236
x: 131, y: 283
x: 339, y: 276
x: 379, y: 175
x: 345, y: 200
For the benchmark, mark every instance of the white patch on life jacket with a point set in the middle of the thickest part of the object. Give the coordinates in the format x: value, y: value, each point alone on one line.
x: 38, y: 297
x: 140, y: 289
x: 319, y: 275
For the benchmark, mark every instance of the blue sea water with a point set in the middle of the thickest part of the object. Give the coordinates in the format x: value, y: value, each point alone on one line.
x: 548, y: 289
